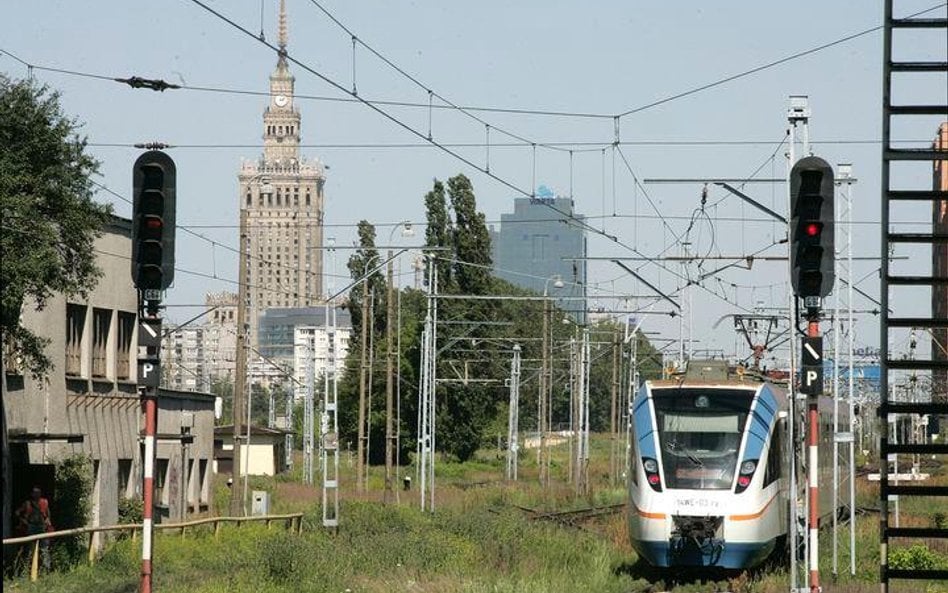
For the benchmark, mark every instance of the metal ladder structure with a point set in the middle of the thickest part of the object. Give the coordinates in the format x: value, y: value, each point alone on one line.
x: 907, y: 288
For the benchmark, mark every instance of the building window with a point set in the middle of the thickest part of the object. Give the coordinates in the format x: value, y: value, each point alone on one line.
x: 125, y: 485
x: 539, y: 247
x: 101, y: 325
x: 75, y: 325
x: 203, y: 484
x: 126, y: 327
x: 161, y: 478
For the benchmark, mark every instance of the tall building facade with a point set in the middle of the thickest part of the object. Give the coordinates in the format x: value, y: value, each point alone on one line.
x: 195, y: 357
x: 278, y: 330
x: 312, y: 354
x: 220, y: 336
x: 282, y: 202
x: 940, y: 266
x: 539, y: 242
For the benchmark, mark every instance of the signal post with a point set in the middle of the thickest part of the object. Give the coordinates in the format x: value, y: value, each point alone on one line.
x: 153, y: 227
x: 812, y: 265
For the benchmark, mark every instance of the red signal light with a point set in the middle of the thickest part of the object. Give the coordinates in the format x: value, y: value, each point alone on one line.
x: 813, y: 229
x: 152, y: 223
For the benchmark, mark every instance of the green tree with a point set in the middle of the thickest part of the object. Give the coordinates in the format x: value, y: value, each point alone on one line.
x: 50, y: 220
x: 359, y: 264
x: 470, y: 238
x: 438, y: 233
x: 50, y: 223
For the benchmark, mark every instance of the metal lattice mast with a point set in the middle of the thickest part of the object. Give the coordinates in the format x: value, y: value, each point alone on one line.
x: 582, y: 409
x: 798, y: 117
x: 329, y: 419
x: 432, y: 369
x: 289, y: 431
x: 513, y: 415
x: 426, y: 436
x: 902, y: 285
x: 843, y: 382
x: 308, y: 428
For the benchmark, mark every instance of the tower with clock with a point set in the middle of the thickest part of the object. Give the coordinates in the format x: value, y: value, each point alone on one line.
x: 281, y: 194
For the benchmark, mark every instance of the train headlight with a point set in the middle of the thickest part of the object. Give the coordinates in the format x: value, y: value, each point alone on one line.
x: 746, y: 475
x: 650, y: 465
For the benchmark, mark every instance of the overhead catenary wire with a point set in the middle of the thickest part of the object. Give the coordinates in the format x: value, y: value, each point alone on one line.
x: 570, y: 218
x: 766, y: 66
x: 593, y: 145
x: 516, y: 110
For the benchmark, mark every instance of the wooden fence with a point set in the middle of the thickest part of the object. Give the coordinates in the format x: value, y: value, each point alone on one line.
x: 293, y: 521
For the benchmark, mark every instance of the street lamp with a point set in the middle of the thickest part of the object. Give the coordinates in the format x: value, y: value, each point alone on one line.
x: 391, y: 438
x: 543, y: 403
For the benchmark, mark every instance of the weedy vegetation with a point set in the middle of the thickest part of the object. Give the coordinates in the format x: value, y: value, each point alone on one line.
x: 480, y: 539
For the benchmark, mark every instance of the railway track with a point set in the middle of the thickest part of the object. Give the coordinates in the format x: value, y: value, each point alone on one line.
x: 572, y: 518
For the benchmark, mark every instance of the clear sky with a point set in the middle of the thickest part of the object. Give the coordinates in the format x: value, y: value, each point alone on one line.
x: 600, y: 58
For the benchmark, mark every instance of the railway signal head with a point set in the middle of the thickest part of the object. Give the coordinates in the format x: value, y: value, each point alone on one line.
x: 153, y: 221
x: 812, y: 240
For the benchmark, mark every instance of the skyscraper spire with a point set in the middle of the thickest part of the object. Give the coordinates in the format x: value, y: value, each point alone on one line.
x: 281, y: 29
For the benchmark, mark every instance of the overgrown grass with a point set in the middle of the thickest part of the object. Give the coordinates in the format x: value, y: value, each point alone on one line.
x: 478, y: 540
x: 380, y: 548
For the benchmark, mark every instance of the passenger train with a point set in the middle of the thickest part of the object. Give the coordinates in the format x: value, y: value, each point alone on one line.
x: 709, y: 469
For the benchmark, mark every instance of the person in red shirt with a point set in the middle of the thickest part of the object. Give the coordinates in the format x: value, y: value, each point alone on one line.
x: 33, y: 518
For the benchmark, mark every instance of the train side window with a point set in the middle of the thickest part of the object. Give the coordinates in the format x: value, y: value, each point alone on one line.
x: 773, y: 459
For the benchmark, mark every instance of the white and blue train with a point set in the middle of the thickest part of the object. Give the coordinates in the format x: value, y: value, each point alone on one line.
x: 708, y: 485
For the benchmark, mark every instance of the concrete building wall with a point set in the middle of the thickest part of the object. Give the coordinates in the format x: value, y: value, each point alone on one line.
x: 186, y: 480
x: 91, y: 395
x: 88, y: 403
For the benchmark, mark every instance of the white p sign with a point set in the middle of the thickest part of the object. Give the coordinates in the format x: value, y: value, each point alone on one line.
x: 149, y: 373
x: 811, y: 377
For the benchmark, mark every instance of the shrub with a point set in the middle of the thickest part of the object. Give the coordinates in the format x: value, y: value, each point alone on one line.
x: 131, y: 510
x: 70, y: 507
x: 917, y: 557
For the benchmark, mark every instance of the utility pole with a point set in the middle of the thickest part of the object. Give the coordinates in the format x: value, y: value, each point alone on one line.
x: 363, y: 367
x: 240, y: 371
x: 389, y: 382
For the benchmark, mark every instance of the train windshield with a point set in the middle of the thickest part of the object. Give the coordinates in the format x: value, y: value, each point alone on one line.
x: 699, y: 432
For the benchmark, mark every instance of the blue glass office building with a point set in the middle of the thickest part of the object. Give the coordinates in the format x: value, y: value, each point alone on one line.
x: 541, y: 239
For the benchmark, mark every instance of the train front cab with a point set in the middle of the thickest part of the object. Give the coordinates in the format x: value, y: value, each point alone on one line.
x: 707, y: 485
